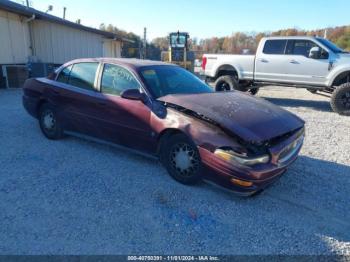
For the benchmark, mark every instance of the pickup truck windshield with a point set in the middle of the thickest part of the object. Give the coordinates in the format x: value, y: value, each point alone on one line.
x: 331, y: 46
x: 168, y: 80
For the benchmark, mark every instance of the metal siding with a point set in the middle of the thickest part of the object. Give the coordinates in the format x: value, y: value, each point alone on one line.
x: 111, y: 48
x: 52, y: 43
x: 14, y: 40
x: 58, y: 44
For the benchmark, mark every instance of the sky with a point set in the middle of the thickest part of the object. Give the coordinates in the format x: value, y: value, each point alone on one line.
x: 202, y: 18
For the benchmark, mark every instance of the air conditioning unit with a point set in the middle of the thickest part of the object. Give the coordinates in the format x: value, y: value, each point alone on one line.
x: 15, y: 75
x: 40, y: 69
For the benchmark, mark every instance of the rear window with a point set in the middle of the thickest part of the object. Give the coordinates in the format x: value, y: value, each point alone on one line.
x: 83, y: 75
x: 275, y: 47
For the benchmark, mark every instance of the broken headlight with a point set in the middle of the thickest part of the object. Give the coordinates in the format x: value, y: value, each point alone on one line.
x: 241, y: 158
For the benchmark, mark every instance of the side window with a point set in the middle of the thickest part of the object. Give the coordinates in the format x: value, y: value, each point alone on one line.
x: 302, y: 47
x: 116, y: 79
x: 83, y: 75
x: 274, y: 47
x: 64, y: 75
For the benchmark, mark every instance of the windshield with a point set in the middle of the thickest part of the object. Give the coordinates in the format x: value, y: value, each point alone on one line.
x: 331, y: 46
x: 167, y: 80
x: 178, y: 40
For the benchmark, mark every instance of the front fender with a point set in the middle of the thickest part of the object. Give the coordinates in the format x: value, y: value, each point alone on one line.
x: 203, y: 134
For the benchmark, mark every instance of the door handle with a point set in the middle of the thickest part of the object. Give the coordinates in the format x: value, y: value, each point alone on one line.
x: 293, y: 61
x: 263, y: 60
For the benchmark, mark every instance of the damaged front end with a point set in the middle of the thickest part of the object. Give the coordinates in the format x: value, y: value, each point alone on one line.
x: 241, y: 165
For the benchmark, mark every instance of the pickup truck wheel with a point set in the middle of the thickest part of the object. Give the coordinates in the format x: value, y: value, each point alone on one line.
x: 226, y: 83
x: 254, y: 91
x: 340, y: 101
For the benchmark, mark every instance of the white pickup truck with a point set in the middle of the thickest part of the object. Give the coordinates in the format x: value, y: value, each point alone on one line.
x: 310, y: 62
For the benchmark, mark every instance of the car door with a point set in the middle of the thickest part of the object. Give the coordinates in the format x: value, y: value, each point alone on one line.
x: 124, y: 121
x: 77, y: 98
x: 301, y: 68
x: 270, y: 63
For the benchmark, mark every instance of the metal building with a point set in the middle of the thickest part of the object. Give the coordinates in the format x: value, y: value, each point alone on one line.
x: 32, y: 43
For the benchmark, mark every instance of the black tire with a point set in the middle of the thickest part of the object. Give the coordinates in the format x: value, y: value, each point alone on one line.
x: 226, y: 83
x: 340, y: 101
x: 253, y: 91
x: 173, y: 155
x: 49, y: 123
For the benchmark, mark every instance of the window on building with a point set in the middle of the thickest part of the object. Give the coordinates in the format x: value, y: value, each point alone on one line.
x: 83, y: 75
x: 64, y: 75
x: 274, y: 47
x: 116, y: 79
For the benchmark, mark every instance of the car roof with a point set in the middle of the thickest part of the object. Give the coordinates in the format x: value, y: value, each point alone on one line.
x: 290, y: 37
x: 130, y: 62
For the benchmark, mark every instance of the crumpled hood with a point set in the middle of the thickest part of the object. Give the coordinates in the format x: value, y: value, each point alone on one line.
x: 250, y: 118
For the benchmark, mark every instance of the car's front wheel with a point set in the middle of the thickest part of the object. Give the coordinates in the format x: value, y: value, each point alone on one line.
x: 181, y: 158
x: 49, y: 123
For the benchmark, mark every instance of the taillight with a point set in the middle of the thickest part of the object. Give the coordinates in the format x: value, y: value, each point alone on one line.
x: 204, y: 62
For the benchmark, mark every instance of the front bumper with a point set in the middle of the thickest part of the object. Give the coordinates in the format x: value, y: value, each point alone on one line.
x: 222, y: 173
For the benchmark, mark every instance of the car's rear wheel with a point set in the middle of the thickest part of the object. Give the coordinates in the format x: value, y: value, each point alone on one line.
x: 181, y: 158
x: 49, y: 123
x: 340, y: 101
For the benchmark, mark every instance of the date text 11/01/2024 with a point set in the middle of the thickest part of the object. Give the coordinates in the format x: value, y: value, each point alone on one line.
x: 173, y: 258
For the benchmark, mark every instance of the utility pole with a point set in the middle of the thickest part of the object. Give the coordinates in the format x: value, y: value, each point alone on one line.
x: 144, y: 43
x: 140, y: 49
x: 27, y: 2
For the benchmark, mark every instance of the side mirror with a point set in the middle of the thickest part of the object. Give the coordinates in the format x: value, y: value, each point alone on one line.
x: 315, y: 53
x: 133, y: 94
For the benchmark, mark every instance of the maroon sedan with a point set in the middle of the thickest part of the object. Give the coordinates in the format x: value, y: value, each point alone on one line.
x: 233, y: 139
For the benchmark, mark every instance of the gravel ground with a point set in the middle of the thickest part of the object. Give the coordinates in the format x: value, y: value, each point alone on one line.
x: 78, y: 197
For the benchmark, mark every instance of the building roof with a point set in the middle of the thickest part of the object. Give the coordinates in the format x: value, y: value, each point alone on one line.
x: 29, y: 12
